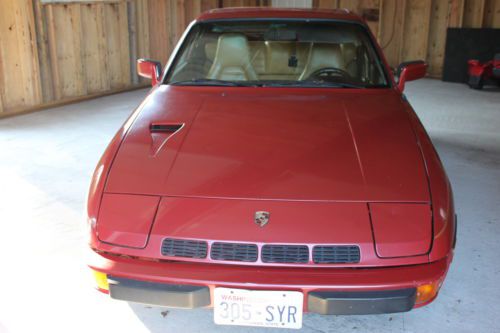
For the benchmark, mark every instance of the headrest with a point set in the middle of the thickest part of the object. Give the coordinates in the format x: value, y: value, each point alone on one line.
x: 326, y: 55
x: 349, y: 51
x: 232, y: 50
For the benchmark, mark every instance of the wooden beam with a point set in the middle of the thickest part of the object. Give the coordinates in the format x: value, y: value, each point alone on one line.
x: 192, y: 8
x: 117, y: 44
x: 208, y: 4
x: 93, y: 48
x: 52, y: 41
x: 132, y: 40
x: 416, y: 30
x: 437, y: 36
x: 473, y: 13
x: 43, y: 51
x: 18, y: 50
x: 1, y: 82
x: 492, y: 14
x: 456, y: 13
x: 142, y: 29
x: 392, y: 18
x: 158, y: 30
x: 30, y: 55
x: 178, y: 19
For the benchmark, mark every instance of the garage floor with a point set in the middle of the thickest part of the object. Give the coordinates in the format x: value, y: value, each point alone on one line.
x: 45, y: 166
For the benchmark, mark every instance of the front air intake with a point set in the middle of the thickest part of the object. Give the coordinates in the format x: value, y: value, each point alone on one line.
x: 285, y: 254
x: 234, y: 252
x: 336, y: 254
x: 184, y: 248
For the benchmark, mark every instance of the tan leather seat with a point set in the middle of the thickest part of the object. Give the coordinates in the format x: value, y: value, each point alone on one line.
x: 349, y: 54
x: 232, y: 59
x: 277, y: 59
x: 323, y: 56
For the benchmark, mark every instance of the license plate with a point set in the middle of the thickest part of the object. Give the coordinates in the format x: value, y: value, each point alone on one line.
x: 279, y: 309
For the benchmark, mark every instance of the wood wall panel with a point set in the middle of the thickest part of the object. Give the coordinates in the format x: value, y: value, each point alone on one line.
x: 59, y: 51
x: 416, y: 29
x: 455, y: 13
x: 492, y: 14
x: 94, y: 51
x: 42, y: 41
x: 473, y: 13
x: 159, y: 26
x: 437, y: 36
x: 20, y: 75
x: 392, y: 17
x: 117, y: 41
x: 66, y: 50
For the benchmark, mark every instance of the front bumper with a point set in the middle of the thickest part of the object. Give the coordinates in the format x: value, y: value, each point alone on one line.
x: 326, y: 290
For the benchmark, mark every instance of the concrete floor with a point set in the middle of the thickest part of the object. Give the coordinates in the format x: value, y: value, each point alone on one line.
x: 45, y: 166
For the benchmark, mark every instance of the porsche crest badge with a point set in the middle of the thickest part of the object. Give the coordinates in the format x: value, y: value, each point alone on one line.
x: 261, y: 218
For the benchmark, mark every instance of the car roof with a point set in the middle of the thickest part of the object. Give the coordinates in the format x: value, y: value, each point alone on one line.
x: 268, y: 12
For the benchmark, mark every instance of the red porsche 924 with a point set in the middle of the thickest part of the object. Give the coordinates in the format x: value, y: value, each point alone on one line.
x: 274, y: 168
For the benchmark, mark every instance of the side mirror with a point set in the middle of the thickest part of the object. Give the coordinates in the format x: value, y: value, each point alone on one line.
x: 149, y: 69
x: 409, y: 71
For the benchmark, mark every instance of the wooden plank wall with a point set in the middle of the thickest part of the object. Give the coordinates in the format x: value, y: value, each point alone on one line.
x: 58, y: 52
x: 63, y: 51
x: 416, y: 29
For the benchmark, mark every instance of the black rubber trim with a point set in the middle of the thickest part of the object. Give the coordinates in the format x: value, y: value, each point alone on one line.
x: 169, y: 295
x: 164, y: 128
x: 358, y: 303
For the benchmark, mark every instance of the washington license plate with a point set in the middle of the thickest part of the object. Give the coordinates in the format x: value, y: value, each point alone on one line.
x: 279, y: 309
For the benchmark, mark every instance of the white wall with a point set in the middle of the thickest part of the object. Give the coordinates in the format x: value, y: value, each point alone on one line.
x: 292, y: 3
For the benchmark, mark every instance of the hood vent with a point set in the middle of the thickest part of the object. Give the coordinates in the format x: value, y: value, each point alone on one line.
x: 165, y: 128
x: 160, y: 133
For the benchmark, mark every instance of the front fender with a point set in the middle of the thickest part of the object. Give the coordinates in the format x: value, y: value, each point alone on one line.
x: 443, y: 210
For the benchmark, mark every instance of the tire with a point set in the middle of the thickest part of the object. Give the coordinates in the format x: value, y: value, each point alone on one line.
x: 476, y: 82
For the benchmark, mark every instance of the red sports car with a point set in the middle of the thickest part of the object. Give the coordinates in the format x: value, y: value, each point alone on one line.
x: 275, y: 168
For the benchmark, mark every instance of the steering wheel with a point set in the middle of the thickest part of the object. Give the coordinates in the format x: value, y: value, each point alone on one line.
x: 329, y: 72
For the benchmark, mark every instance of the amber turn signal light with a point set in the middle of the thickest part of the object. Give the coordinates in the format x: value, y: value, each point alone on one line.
x: 101, y: 281
x: 426, y: 292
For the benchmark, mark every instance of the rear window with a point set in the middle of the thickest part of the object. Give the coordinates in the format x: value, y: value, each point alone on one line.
x: 279, y: 53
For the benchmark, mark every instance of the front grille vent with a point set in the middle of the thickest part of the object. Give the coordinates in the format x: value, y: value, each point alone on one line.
x: 184, y: 248
x: 285, y: 253
x: 335, y: 254
x: 247, y: 252
x: 234, y: 252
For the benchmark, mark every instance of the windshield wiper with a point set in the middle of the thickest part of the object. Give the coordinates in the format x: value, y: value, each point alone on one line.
x: 312, y: 84
x: 208, y: 82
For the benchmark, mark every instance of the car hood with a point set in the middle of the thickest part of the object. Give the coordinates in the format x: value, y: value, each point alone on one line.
x: 271, y: 143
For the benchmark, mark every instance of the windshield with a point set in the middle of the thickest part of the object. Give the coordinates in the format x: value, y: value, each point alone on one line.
x: 278, y: 53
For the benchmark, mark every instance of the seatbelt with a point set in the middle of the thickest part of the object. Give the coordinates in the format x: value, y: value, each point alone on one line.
x: 293, y: 61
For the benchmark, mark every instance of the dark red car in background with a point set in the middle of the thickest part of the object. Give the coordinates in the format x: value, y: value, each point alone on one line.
x: 481, y: 72
x: 275, y: 168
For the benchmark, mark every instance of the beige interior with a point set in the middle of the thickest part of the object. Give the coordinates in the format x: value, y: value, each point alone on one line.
x: 232, y: 59
x: 323, y: 56
x: 349, y: 55
x: 269, y: 60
